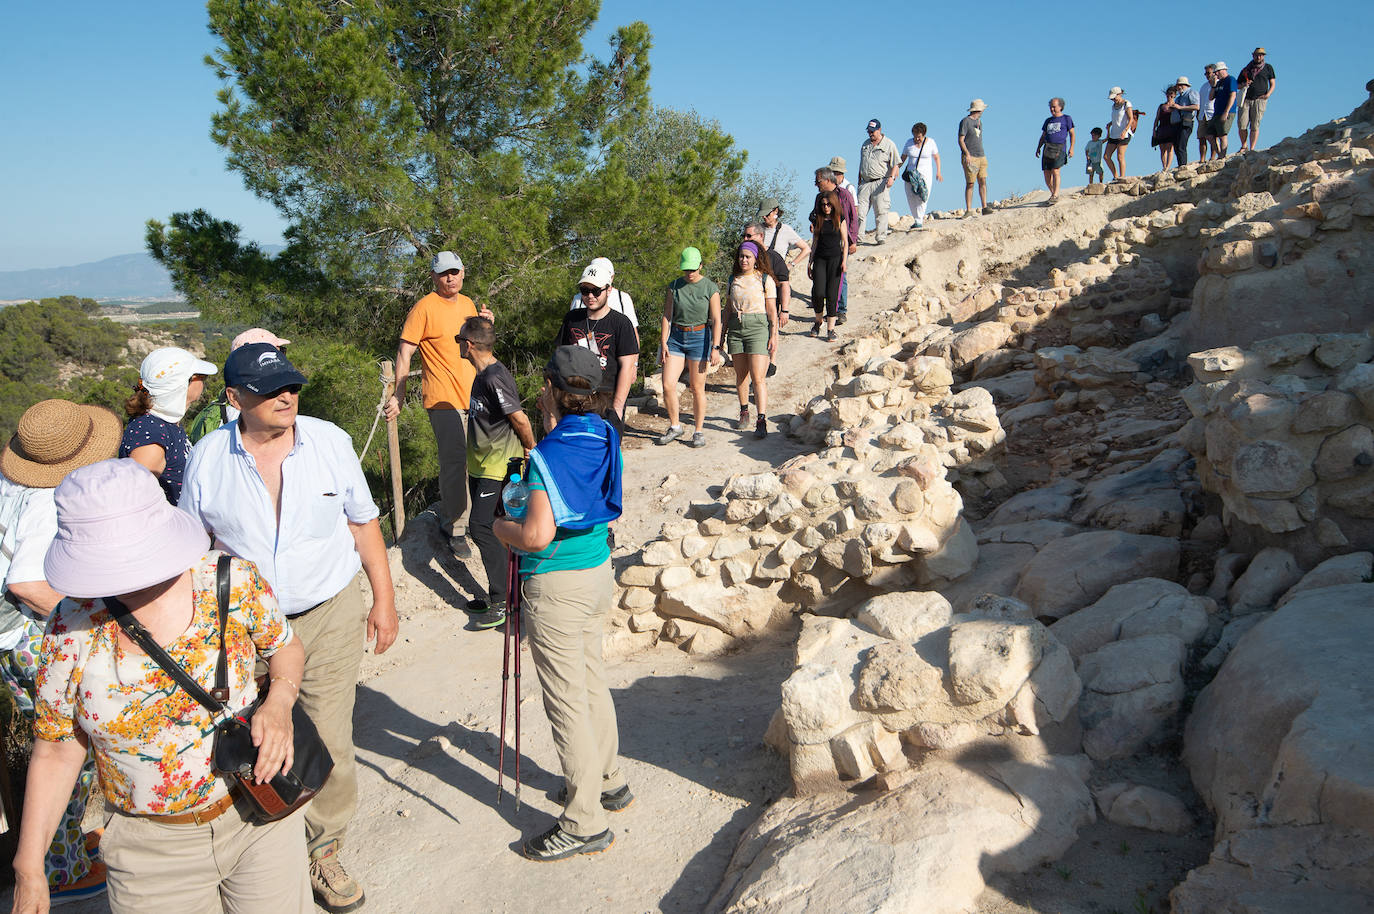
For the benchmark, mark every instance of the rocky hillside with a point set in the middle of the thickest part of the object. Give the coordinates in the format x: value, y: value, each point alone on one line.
x: 1087, y: 510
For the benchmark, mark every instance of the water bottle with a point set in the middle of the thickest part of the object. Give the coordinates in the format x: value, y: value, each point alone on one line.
x: 516, y: 498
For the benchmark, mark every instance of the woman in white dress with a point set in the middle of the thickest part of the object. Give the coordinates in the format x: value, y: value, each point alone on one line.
x: 921, y: 155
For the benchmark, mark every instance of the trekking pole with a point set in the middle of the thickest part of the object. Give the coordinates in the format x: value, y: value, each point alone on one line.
x: 513, y: 614
x: 505, y: 679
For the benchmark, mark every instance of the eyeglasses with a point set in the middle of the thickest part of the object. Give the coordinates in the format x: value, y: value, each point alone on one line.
x: 589, y: 291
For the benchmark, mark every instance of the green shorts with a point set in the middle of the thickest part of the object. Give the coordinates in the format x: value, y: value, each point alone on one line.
x: 747, y: 333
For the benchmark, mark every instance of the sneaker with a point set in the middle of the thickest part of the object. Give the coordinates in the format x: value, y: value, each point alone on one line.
x: 772, y: 370
x: 93, y: 883
x: 611, y: 800
x: 832, y: 337
x: 987, y: 211
x: 743, y: 422
x: 699, y: 439
x: 840, y: 319
x: 761, y: 428
x: 816, y: 330
x: 334, y: 889
x: 674, y: 432
x: 459, y: 544
x: 556, y: 844
x: 475, y: 607
x: 492, y: 618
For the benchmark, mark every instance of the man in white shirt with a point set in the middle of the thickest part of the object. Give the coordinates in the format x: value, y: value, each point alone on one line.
x: 287, y: 493
x: 778, y: 235
x: 619, y: 300
x: 1204, y: 113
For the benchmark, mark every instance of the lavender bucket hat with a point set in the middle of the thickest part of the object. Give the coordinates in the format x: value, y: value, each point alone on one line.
x: 116, y: 533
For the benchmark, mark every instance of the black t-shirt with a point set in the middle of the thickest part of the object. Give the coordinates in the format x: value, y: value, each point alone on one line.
x: 779, y: 264
x: 491, y: 438
x: 611, y: 337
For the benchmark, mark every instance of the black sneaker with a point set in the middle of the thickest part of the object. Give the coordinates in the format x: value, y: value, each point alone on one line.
x: 556, y: 844
x: 459, y: 544
x: 761, y: 428
x: 611, y: 800
x: 475, y: 607
x: 492, y: 618
x: 772, y: 370
x: 839, y: 319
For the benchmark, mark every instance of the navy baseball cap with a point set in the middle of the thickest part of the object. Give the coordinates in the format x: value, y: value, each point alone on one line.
x: 875, y: 124
x: 260, y: 368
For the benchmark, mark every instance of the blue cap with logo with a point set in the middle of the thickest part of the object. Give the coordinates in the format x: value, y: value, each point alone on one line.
x: 260, y: 368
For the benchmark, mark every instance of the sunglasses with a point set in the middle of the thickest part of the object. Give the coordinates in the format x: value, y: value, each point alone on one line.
x: 590, y: 291
x: 289, y: 388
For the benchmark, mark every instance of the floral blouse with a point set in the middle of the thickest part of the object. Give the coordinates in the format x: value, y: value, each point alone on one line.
x: 152, y: 741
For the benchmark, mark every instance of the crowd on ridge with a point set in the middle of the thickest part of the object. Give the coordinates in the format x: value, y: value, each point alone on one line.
x: 109, y: 532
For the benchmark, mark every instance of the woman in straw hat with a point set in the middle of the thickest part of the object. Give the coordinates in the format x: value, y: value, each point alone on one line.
x: 54, y: 437
x: 178, y: 838
x: 169, y: 381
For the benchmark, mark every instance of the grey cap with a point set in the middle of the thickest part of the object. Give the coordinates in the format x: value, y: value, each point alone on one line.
x: 767, y: 206
x: 574, y: 362
x: 445, y: 261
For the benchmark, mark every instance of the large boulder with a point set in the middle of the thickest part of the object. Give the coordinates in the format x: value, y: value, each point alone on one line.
x: 1149, y: 606
x: 1280, y: 745
x: 1071, y: 572
x: 928, y: 845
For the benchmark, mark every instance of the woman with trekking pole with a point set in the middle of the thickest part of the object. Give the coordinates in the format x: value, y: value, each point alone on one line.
x: 574, y: 486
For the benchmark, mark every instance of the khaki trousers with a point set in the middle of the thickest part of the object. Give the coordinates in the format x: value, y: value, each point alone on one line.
x: 564, y: 613
x: 227, y: 865
x: 874, y: 195
x: 333, y: 636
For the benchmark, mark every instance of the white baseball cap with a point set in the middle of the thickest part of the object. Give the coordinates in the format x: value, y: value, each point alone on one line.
x: 598, y: 273
x: 604, y: 262
x: 257, y: 335
x: 445, y: 261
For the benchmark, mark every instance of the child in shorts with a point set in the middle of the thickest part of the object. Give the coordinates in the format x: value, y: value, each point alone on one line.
x: 1093, y: 152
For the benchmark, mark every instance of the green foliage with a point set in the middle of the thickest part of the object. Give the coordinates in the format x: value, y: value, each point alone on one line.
x: 37, y: 339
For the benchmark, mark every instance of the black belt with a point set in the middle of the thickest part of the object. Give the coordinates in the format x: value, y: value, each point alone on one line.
x: 871, y: 180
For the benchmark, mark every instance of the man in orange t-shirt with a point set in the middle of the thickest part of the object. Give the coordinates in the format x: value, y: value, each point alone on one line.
x: 431, y: 327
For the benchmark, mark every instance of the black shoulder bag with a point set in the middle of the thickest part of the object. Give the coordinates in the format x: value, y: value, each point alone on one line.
x: 234, y: 753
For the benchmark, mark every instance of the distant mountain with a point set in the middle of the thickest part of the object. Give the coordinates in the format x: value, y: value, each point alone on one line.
x: 125, y: 276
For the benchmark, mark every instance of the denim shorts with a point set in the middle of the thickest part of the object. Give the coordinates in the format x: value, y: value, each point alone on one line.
x: 690, y: 344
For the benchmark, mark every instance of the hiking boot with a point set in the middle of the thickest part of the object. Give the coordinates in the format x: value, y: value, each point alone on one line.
x: 772, y: 370
x: 761, y: 428
x: 93, y: 883
x: 493, y: 617
x: 816, y: 330
x: 699, y: 439
x: 987, y: 211
x: 334, y: 889
x: 556, y: 844
x: 839, y: 319
x: 458, y: 542
x: 743, y: 422
x: 674, y: 432
x: 611, y: 800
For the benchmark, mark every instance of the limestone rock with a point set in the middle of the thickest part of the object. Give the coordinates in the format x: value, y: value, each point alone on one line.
x: 1353, y: 568
x: 1072, y: 572
x: 1053, y: 502
x: 927, y: 845
x: 988, y: 661
x: 1271, y: 572
x: 1149, y: 606
x: 737, y: 610
x: 1138, y: 806
x: 1131, y: 689
x: 905, y: 615
x: 756, y: 486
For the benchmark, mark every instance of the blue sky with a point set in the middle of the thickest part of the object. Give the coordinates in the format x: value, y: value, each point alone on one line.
x: 106, y: 106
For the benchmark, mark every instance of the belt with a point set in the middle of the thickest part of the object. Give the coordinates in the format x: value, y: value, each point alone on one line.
x: 197, y: 816
x: 871, y: 180
x: 692, y: 329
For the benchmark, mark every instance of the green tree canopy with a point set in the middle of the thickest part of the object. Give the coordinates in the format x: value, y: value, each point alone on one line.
x: 387, y: 130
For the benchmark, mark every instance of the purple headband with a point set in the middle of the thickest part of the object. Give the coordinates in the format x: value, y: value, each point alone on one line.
x: 751, y: 247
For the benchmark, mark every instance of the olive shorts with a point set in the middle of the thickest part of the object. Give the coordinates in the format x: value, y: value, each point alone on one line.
x: 747, y: 333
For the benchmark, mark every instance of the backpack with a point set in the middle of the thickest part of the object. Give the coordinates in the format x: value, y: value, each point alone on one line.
x: 1135, y: 119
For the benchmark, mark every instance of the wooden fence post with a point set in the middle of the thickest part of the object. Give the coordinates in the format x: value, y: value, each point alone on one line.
x: 393, y: 447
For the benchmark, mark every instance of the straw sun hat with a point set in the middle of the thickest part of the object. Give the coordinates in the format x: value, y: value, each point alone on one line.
x: 55, y: 437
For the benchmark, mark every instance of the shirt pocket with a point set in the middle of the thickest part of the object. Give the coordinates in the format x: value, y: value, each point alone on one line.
x: 322, y: 513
